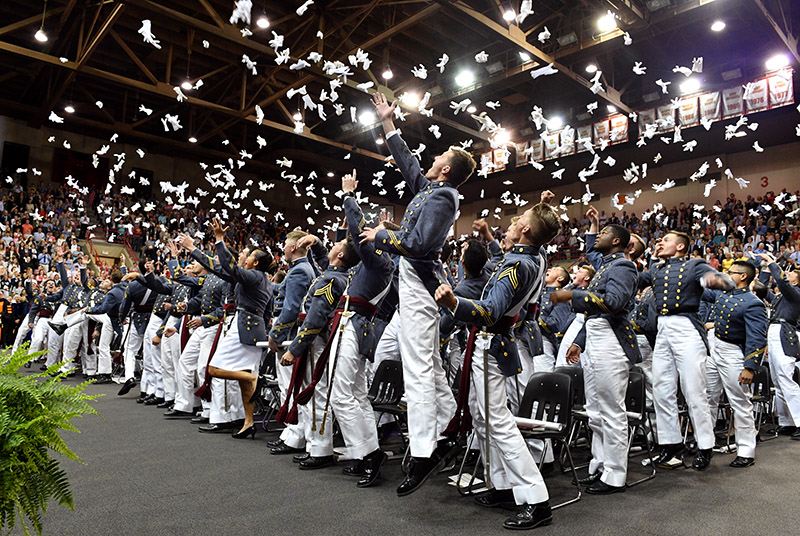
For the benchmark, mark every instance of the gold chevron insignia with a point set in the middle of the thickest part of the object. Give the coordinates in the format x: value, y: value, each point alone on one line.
x: 511, y: 274
x: 326, y: 291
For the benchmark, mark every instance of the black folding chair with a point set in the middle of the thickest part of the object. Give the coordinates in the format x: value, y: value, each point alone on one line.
x: 549, y: 397
x: 267, y: 396
x: 385, y: 395
x: 580, y: 419
x: 636, y: 407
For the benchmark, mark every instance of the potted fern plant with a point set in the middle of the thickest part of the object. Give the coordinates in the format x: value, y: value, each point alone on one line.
x: 34, y: 408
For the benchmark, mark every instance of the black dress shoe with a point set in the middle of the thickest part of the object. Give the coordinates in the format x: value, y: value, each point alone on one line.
x: 103, y: 378
x: 218, y: 427
x: 297, y: 458
x: 175, y: 414
x: 357, y: 469
x: 127, y: 386
x: 283, y: 448
x: 589, y: 480
x: 199, y: 420
x: 702, y: 459
x: 165, y: 404
x: 317, y: 462
x: 43, y: 367
x: 447, y: 450
x: 530, y: 517
x: 601, y: 488
x: 155, y: 401
x: 420, y: 470
x: 786, y: 430
x: 741, y: 461
x: 372, y: 468
x: 796, y: 435
x: 142, y: 398
x: 670, y: 455
x: 496, y: 498
x: 272, y: 443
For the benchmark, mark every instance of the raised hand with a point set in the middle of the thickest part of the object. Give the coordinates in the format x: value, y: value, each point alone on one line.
x: 173, y: 249
x: 218, y: 229
x: 444, y: 296
x: 349, y: 182
x: 186, y: 242
x: 547, y: 196
x: 307, y: 241
x: 382, y: 106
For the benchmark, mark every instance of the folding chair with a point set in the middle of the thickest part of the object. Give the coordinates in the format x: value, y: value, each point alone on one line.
x: 385, y: 395
x: 636, y: 407
x: 267, y: 396
x: 548, y: 401
x: 580, y: 419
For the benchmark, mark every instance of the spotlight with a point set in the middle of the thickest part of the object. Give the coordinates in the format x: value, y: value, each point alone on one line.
x: 187, y: 84
x: 70, y: 109
x: 471, y: 109
x: 591, y: 68
x: 387, y: 74
x: 330, y: 174
x: 297, y: 116
x: 718, y: 26
x: 524, y: 56
x: 611, y: 109
x: 192, y: 139
x: 410, y: 99
x: 40, y: 36
x: 502, y: 137
x: 465, y: 78
x: 262, y: 22
x: 379, y: 141
x: 777, y: 62
x: 607, y: 22
x: 690, y: 86
x: 366, y: 118
x: 509, y: 15
x: 555, y: 123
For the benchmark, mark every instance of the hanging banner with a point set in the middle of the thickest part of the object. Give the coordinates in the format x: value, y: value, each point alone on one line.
x: 732, y: 103
x: 487, y: 162
x: 781, y: 90
x: 619, y: 128
x: 755, y: 96
x: 501, y: 156
x: 522, y: 156
x: 646, y: 117
x: 710, y: 106
x: 550, y: 144
x: 602, y: 131
x: 666, y: 117
x: 567, y: 140
x: 584, y: 133
x: 689, y: 112
x: 537, y: 146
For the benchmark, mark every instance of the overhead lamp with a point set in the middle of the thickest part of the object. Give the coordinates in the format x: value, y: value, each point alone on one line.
x: 509, y: 15
x: 524, y: 56
x: 70, y: 109
x: 465, y: 78
x: 192, y: 139
x: 611, y: 109
x: 555, y: 123
x: 297, y: 116
x: 690, y: 86
x: 733, y: 74
x: 502, y: 137
x: 471, y: 109
x: 262, y: 22
x: 186, y: 84
x: 367, y: 118
x: 607, y: 22
x: 379, y: 141
x: 591, y: 68
x: 777, y: 62
x: 567, y: 39
x: 387, y: 74
x: 330, y: 174
x: 410, y: 99
x: 40, y: 36
x: 718, y: 26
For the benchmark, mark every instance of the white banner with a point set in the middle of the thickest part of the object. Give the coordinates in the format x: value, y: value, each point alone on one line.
x: 550, y: 144
x: 689, y: 112
x: 732, y: 103
x: 568, y: 140
x: 755, y: 96
x: 584, y: 133
x: 602, y: 131
x: 538, y: 150
x: 619, y: 128
x: 646, y: 117
x: 781, y: 90
x: 666, y: 114
x: 710, y: 106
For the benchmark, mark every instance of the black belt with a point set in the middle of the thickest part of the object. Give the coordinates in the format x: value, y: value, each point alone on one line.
x: 245, y: 310
x: 662, y: 312
x: 782, y: 321
x: 729, y: 341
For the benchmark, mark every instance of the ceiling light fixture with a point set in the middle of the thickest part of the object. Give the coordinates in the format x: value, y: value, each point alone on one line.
x: 40, y: 35
x: 330, y: 174
x: 367, y: 118
x: 465, y: 78
x: 502, y: 137
x: 297, y: 116
x: 410, y: 99
x: 262, y: 22
x: 387, y: 74
x: 70, y: 109
x: 611, y: 109
x: 718, y: 26
x: 524, y: 56
x: 777, y: 62
x: 607, y: 22
x: 192, y: 139
x: 186, y: 84
x: 591, y: 68
x: 379, y: 141
x: 471, y: 109
x: 509, y: 15
x: 690, y: 86
x: 555, y: 123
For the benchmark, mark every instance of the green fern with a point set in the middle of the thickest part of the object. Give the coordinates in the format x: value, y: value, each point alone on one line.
x: 34, y: 408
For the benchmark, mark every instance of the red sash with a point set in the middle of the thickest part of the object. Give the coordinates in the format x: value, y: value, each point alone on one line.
x: 184, y: 332
x: 204, y: 391
x: 461, y: 423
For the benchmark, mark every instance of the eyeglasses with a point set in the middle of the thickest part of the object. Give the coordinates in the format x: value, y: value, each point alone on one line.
x: 733, y: 273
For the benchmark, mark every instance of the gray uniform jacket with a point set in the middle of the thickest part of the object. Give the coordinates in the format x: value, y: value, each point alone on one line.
x: 785, y: 309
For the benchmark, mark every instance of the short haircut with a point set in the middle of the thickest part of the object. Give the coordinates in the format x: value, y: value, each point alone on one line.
x: 142, y: 266
x: 350, y: 255
x: 618, y: 231
x: 461, y: 166
x: 748, y: 268
x: 564, y: 275
x: 474, y: 257
x: 447, y: 251
x: 589, y: 270
x: 294, y: 236
x: 760, y: 290
x: 116, y: 276
x: 390, y: 225
x: 264, y: 261
x: 638, y: 247
x: 545, y: 224
x: 682, y: 238
x: 278, y: 277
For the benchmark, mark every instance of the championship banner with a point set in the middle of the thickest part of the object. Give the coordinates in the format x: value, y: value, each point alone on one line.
x: 755, y: 96
x: 567, y: 141
x: 550, y: 144
x: 689, y: 112
x: 487, y: 161
x: 501, y: 156
x: 781, y: 90
x: 732, y: 103
x: 584, y: 133
x: 619, y: 128
x: 522, y: 158
x: 710, y: 106
x: 538, y: 150
x: 666, y: 114
x: 646, y: 117
x: 602, y: 131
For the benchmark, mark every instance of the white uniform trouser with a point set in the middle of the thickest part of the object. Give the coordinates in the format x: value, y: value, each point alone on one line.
x: 569, y: 337
x: 546, y: 361
x: 349, y: 397
x: 431, y: 404
x: 722, y: 372
x: 152, y: 382
x: 455, y: 357
x: 58, y: 315
x: 511, y: 465
x: 39, y: 336
x: 787, y: 392
x: 191, y: 369
x: 103, y: 354
x: 226, y: 395
x: 170, y: 354
x: 22, y: 332
x: 605, y: 376
x: 133, y: 343
x: 73, y: 336
x: 55, y: 343
x: 319, y: 440
x: 680, y: 354
x: 294, y: 434
x: 646, y: 365
x: 515, y: 389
